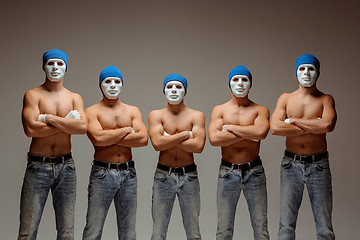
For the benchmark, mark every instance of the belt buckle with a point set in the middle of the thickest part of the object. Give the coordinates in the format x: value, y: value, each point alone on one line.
x: 51, y: 159
x: 302, y: 158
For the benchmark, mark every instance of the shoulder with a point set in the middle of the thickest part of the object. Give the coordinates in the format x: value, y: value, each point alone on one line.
x: 261, y: 108
x: 93, y: 109
x: 156, y: 114
x: 328, y: 99
x: 32, y: 94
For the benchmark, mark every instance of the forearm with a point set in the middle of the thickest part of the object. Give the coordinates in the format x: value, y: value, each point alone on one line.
x: 163, y: 143
x: 251, y: 132
x: 316, y: 126
x: 223, y: 138
x: 67, y: 125
x: 40, y: 129
x: 138, y: 139
x: 286, y: 130
x: 191, y: 145
x: 109, y: 137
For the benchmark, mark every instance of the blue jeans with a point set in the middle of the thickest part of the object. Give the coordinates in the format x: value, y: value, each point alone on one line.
x: 317, y: 178
x: 39, y: 179
x: 230, y: 183
x: 166, y: 188
x: 106, y: 185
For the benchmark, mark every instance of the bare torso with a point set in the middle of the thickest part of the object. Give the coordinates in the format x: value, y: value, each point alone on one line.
x: 311, y: 114
x: 177, y: 124
x: 114, y: 128
x: 245, y: 150
x: 58, y: 103
x: 305, y: 107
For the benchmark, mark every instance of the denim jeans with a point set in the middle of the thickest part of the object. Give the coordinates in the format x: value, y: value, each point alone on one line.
x: 317, y: 178
x: 230, y: 183
x: 166, y: 188
x: 39, y: 179
x: 106, y: 185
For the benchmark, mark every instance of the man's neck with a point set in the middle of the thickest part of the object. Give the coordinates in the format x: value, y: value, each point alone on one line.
x: 53, y: 86
x: 240, y: 101
x: 111, y: 102
x: 176, y: 108
x: 308, y: 90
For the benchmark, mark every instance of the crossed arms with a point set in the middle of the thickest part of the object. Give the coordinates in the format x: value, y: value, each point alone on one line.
x: 54, y: 124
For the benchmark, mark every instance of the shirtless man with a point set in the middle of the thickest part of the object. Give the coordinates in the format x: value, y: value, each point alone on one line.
x: 238, y: 126
x: 304, y: 117
x: 50, y: 114
x: 177, y: 132
x: 113, y: 128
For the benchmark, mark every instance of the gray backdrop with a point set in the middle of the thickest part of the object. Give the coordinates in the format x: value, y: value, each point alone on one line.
x: 202, y: 40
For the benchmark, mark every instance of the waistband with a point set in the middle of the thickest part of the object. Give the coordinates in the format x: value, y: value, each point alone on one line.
x: 37, y: 158
x: 242, y: 166
x: 178, y: 170
x: 306, y: 158
x: 118, y: 166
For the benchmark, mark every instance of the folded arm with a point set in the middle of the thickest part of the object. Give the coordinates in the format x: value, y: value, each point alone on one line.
x: 196, y: 143
x: 100, y: 137
x: 138, y: 137
x: 159, y: 141
x: 217, y: 136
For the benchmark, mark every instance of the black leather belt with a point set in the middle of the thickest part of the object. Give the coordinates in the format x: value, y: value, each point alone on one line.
x: 118, y: 166
x: 38, y: 158
x: 178, y: 170
x: 242, y: 166
x: 306, y: 158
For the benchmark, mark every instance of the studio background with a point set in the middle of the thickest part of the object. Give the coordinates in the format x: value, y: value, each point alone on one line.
x: 203, y: 41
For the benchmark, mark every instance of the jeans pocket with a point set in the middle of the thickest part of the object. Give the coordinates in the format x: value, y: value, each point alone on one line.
x: 160, y: 176
x: 98, y: 172
x: 192, y: 176
x: 32, y: 166
x: 224, y: 172
x: 286, y: 163
x: 70, y: 167
x: 322, y: 165
x: 132, y: 172
x: 259, y: 170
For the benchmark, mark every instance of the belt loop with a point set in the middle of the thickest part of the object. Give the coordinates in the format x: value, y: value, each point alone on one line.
x: 249, y: 164
x: 183, y: 168
x: 63, y: 160
x: 313, y: 158
x: 232, y: 167
x: 127, y: 165
x: 109, y: 165
x: 170, y: 168
x: 43, y: 160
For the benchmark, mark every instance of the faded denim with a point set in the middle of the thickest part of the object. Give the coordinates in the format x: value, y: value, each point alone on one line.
x: 230, y: 183
x: 38, y: 180
x: 317, y: 178
x: 106, y: 185
x: 165, y: 189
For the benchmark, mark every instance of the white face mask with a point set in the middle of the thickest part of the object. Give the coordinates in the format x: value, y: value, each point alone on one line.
x: 240, y: 85
x: 55, y: 69
x: 307, y: 75
x: 174, y: 92
x: 111, y: 87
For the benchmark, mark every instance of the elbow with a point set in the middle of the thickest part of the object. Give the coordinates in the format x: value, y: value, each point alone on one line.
x: 29, y: 132
x: 263, y: 134
x: 274, y: 131
x: 143, y: 141
x: 83, y: 128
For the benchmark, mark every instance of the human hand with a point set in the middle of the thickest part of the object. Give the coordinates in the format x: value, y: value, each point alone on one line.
x: 42, y: 118
x: 73, y: 114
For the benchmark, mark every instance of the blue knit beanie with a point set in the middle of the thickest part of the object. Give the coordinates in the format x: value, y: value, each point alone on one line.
x: 175, y: 77
x: 308, y: 59
x: 55, y: 53
x: 240, y: 70
x: 110, y: 71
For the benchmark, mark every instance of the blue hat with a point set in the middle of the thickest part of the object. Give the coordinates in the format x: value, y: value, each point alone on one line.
x: 55, y: 53
x: 240, y: 70
x: 175, y: 77
x: 110, y: 71
x: 308, y: 59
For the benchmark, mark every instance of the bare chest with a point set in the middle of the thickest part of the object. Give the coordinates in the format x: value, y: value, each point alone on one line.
x: 57, y: 104
x: 242, y: 117
x: 114, y: 118
x: 177, y: 123
x: 307, y: 108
